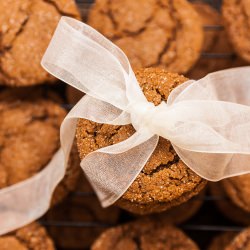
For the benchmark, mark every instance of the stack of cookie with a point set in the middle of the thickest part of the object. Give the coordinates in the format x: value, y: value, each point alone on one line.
x: 164, y: 183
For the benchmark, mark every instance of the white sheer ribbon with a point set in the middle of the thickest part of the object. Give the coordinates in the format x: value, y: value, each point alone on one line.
x: 26, y: 201
x: 207, y: 121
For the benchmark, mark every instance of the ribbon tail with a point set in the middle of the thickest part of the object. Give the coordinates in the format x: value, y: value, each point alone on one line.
x: 112, y: 170
x: 215, y: 167
x: 26, y: 201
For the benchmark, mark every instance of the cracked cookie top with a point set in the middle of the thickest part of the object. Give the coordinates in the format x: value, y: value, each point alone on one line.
x: 29, y: 137
x: 31, y: 237
x: 144, y: 235
x: 165, y: 179
x: 29, y: 134
x: 26, y: 28
x: 153, y: 33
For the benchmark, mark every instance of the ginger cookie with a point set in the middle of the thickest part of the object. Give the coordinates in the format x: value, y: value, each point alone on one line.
x: 241, y: 241
x: 29, y: 137
x: 26, y: 28
x: 165, y: 180
x: 227, y: 207
x: 144, y: 234
x: 31, y: 237
x: 82, y: 208
x: 221, y: 241
x: 153, y: 33
x: 218, y: 53
x: 236, y: 15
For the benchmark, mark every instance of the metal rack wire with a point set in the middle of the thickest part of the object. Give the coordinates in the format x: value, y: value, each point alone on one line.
x: 208, y: 221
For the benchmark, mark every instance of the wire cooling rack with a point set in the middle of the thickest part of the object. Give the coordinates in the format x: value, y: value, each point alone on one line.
x: 207, y: 223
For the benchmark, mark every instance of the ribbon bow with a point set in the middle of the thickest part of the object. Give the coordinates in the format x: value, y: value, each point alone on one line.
x: 207, y: 121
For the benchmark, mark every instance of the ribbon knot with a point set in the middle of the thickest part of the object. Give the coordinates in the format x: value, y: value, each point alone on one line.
x: 143, y: 115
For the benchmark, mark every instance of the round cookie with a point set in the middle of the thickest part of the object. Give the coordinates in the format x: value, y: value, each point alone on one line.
x: 236, y: 18
x: 222, y: 240
x: 83, y: 208
x: 153, y: 33
x: 29, y: 137
x: 238, y: 190
x: 144, y: 234
x: 165, y: 180
x: 220, y: 53
x: 241, y: 241
x: 227, y: 207
x: 26, y: 29
x: 31, y: 237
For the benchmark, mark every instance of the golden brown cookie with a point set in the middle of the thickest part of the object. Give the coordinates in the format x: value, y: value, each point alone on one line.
x: 26, y: 27
x: 236, y: 14
x: 218, y: 54
x: 81, y: 209
x: 153, y: 33
x: 31, y: 237
x: 221, y: 241
x: 241, y: 241
x: 144, y: 234
x: 227, y: 207
x: 165, y: 180
x: 29, y: 137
